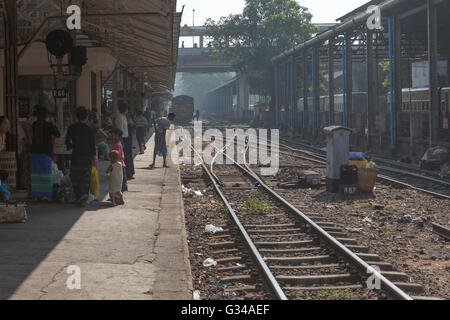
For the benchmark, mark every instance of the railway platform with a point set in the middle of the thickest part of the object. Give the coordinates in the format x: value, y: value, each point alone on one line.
x: 137, y: 251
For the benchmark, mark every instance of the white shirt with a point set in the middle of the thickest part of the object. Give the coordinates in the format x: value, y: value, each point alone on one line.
x: 122, y: 124
x: 116, y: 177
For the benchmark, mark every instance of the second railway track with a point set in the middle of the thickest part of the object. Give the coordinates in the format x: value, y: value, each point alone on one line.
x: 302, y: 257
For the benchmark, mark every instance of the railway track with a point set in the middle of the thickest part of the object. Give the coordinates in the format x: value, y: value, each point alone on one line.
x: 416, y: 179
x: 299, y: 256
x: 423, y: 183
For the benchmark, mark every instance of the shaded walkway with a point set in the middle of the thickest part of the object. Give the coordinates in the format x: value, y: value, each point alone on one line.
x: 136, y: 251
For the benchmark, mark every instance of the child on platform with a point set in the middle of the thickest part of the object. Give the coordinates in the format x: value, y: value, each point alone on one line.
x: 115, y: 179
x: 4, y: 192
x: 116, y: 137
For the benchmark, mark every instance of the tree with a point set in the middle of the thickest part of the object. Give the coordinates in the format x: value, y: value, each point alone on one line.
x: 265, y: 29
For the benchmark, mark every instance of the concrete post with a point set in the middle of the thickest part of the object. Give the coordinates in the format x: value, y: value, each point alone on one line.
x: 114, y: 94
x: 125, y: 87
x: 84, y: 89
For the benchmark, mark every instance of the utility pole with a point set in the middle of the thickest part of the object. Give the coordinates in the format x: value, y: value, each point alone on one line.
x: 193, y: 25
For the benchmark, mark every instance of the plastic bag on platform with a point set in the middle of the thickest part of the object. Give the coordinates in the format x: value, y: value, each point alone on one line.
x: 95, y: 182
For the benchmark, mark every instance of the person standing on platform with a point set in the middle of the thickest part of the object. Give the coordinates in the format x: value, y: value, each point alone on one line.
x: 41, y: 155
x: 80, y: 139
x: 116, y: 137
x: 152, y: 116
x: 148, y: 117
x: 161, y: 126
x: 141, y: 126
x: 197, y: 115
x: 122, y: 124
x: 4, y: 129
x: 115, y: 178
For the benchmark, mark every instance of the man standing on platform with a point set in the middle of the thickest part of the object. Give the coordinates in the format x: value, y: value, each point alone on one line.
x: 122, y: 124
x: 80, y: 139
x: 161, y: 126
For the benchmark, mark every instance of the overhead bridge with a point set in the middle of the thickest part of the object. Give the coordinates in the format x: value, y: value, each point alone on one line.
x: 201, y: 59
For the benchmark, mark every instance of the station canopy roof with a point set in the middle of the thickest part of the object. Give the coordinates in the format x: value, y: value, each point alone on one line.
x: 143, y: 35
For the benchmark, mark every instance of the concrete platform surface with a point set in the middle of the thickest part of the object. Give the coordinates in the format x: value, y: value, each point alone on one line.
x: 136, y: 251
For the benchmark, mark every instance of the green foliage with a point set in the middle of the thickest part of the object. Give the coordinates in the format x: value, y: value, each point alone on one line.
x: 221, y: 209
x: 337, y: 294
x: 255, y: 207
x: 265, y: 29
x: 385, y: 65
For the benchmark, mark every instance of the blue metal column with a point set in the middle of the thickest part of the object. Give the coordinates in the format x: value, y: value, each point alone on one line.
x: 344, y: 85
x: 276, y: 106
x: 315, y: 73
x: 391, y: 82
x: 292, y: 93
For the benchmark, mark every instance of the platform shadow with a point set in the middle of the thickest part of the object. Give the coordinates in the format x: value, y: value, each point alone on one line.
x: 24, y: 246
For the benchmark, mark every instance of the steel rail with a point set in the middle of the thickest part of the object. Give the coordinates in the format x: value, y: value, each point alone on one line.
x: 392, y: 180
x: 267, y: 274
x: 386, y: 285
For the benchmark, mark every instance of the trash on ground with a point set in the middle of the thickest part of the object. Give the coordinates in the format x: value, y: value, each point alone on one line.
x: 212, y: 229
x: 367, y: 219
x: 209, y: 263
x: 190, y: 192
x: 434, y: 158
x: 196, y: 295
x: 223, y: 285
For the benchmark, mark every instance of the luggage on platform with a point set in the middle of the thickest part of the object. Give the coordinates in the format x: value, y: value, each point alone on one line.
x: 13, y: 213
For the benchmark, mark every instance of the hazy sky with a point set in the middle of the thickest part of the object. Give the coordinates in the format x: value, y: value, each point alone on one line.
x: 322, y: 10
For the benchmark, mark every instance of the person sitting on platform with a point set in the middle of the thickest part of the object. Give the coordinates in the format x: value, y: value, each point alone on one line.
x: 42, y: 155
x: 4, y: 192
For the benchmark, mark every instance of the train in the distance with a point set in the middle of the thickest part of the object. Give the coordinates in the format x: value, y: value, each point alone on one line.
x: 413, y: 116
x: 183, y: 107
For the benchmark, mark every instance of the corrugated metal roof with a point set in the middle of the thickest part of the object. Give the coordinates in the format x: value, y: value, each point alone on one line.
x: 142, y: 34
